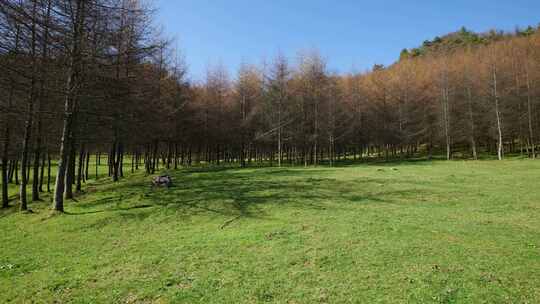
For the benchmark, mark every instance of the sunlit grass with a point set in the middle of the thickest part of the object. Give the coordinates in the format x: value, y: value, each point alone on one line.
x: 411, y: 232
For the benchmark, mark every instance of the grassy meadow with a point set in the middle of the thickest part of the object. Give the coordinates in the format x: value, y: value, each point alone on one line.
x: 408, y: 232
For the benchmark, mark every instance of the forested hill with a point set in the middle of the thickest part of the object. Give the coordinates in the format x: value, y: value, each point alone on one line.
x: 463, y: 38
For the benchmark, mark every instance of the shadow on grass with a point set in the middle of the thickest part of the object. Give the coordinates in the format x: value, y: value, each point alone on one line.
x: 236, y: 193
x: 110, y: 210
x: 11, y: 209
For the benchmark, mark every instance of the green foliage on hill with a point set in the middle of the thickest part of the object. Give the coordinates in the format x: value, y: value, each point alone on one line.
x: 463, y: 38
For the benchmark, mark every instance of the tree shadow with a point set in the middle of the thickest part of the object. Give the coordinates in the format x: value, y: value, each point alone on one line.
x: 9, y: 210
x: 242, y: 194
x: 110, y: 210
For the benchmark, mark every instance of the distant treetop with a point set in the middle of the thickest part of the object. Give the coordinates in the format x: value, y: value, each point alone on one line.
x: 462, y: 38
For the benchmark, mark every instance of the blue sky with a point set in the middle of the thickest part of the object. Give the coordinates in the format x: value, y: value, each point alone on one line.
x: 352, y: 35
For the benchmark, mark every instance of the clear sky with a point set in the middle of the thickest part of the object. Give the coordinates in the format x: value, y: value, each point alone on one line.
x: 351, y: 34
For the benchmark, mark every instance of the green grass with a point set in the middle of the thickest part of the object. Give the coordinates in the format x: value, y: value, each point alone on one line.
x: 412, y: 232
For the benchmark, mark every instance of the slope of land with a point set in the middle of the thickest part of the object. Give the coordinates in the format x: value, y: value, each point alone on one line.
x: 463, y: 39
x: 415, y: 232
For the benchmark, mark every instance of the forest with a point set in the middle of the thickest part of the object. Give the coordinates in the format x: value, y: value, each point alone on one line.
x: 92, y: 78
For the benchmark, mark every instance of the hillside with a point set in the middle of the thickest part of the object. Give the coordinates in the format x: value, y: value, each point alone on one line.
x: 463, y: 38
x: 409, y: 232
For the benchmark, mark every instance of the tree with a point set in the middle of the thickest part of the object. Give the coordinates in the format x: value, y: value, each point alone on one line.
x: 277, y: 95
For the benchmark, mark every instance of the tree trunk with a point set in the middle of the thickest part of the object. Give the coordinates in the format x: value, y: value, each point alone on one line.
x: 5, y: 166
x: 29, y: 116
x: 42, y: 173
x: 72, y: 84
x: 37, y: 159
x: 114, y: 160
x: 98, y: 161
x: 70, y: 176
x: 5, y: 180
x: 471, y: 121
x: 446, y: 114
x: 497, y: 114
x: 48, y: 172
x: 86, y: 176
x: 529, y: 113
x: 80, y: 169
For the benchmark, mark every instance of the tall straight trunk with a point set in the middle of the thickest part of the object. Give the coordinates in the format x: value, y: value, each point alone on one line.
x: 468, y: 82
x: 80, y: 169
x: 109, y: 163
x: 11, y: 171
x: 331, y: 150
x: 280, y: 127
x: 529, y: 111
x: 218, y: 154
x: 118, y: 161
x: 16, y: 171
x: 182, y: 160
x: 70, y: 176
x: 28, y: 168
x: 243, y: 133
x: 121, y: 161
x: 114, y: 161
x: 29, y: 116
x: 41, y: 96
x: 72, y: 84
x: 5, y: 158
x: 316, y: 135
x: 517, y: 92
x: 42, y: 173
x: 36, y: 167
x: 6, y: 176
x: 279, y: 146
x: 65, y: 147
x: 166, y: 157
x: 86, y: 176
x: 147, y: 165
x: 177, y: 155
x: 471, y: 122
x: 137, y: 159
x: 446, y: 114
x: 5, y: 180
x: 111, y: 159
x: 497, y: 113
x: 48, y: 172
x: 98, y: 161
x: 154, y: 157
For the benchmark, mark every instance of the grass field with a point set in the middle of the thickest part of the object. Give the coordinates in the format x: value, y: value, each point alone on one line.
x: 410, y: 232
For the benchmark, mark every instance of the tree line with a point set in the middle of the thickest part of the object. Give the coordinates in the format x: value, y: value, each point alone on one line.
x: 86, y: 79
